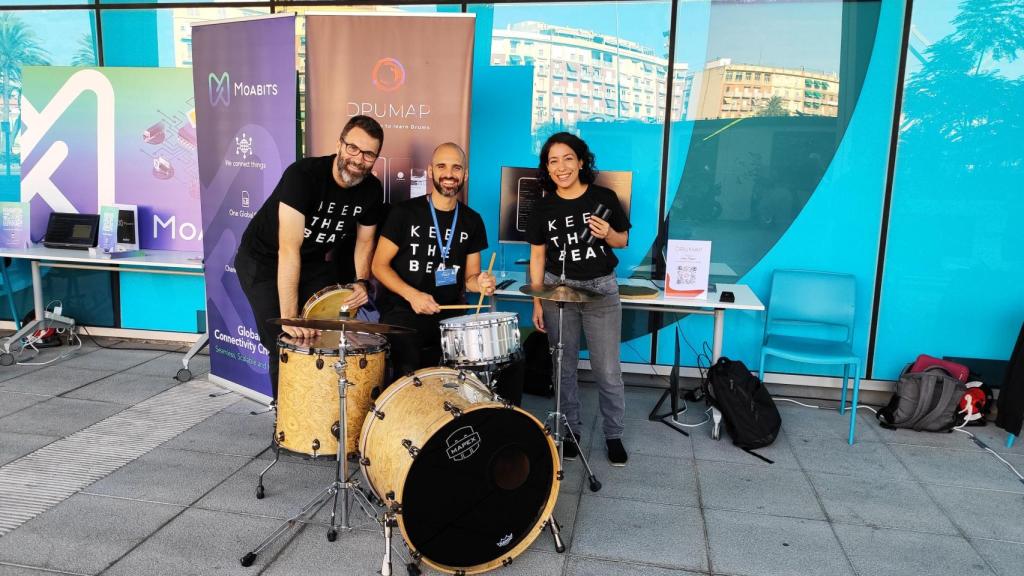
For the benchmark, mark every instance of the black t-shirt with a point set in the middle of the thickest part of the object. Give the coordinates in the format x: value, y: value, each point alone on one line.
x: 331, y: 211
x: 559, y: 224
x: 411, y: 228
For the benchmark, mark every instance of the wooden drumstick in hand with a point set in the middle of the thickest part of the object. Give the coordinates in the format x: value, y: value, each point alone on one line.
x: 489, y: 268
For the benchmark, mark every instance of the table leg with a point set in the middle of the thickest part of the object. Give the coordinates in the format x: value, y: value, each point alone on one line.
x: 716, y: 353
x: 37, y: 290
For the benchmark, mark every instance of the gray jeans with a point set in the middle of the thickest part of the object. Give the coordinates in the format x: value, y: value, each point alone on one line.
x: 601, y: 322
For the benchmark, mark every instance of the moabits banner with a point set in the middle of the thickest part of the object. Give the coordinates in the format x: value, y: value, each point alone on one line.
x: 245, y: 94
x: 100, y: 136
x: 412, y: 73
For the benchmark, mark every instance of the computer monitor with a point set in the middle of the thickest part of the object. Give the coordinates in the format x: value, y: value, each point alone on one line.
x: 520, y: 191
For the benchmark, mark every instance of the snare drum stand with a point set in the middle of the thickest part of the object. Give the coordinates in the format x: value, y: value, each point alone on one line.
x: 342, y: 485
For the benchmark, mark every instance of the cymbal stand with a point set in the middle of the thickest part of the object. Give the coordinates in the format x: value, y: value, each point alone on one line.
x: 342, y: 485
x: 557, y: 421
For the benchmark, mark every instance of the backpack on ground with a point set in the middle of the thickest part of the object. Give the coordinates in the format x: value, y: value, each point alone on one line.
x: 751, y: 418
x: 538, y: 378
x: 924, y: 401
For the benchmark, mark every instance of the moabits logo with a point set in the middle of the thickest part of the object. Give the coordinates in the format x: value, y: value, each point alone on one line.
x: 388, y: 75
x: 220, y: 89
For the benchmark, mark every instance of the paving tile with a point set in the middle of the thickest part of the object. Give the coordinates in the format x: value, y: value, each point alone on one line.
x: 655, y: 439
x: 167, y: 365
x: 648, y: 478
x: 825, y: 422
x: 1003, y: 557
x: 112, y: 360
x: 226, y: 433
x: 123, y: 388
x: 887, y: 552
x: 983, y: 513
x: 17, y: 370
x: 14, y: 445
x: 58, y: 416
x: 969, y: 469
x: 631, y: 531
x: 640, y: 401
x: 577, y: 566
x: 84, y: 533
x: 707, y: 448
x: 835, y: 456
x: 169, y: 476
x: 199, y: 543
x: 11, y: 402
x: 880, y: 503
x: 745, y: 544
x: 245, y: 406
x: 756, y: 489
x: 10, y: 570
x: 950, y: 439
x: 53, y: 380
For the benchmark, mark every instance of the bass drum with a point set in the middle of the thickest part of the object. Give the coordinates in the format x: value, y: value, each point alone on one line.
x: 474, y: 479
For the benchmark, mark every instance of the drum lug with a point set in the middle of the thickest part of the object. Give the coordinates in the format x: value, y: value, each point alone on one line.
x: 416, y: 381
x: 415, y: 555
x: 284, y: 357
x: 506, y: 562
x: 560, y: 475
x: 363, y: 363
x: 378, y: 413
x: 364, y: 461
x: 413, y: 451
x: 336, y: 429
x: 315, y: 446
x: 449, y: 407
x: 319, y: 363
x: 280, y: 437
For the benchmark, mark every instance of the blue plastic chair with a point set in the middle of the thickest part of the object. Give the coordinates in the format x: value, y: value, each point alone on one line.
x: 810, y: 319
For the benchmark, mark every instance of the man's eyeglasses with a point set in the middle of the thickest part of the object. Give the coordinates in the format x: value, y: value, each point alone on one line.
x: 352, y: 150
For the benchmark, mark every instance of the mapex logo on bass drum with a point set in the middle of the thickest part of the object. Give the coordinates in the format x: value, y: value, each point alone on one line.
x: 462, y: 443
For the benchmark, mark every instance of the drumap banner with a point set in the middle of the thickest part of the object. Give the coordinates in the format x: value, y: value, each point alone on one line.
x: 412, y: 73
x: 244, y: 77
x: 98, y: 136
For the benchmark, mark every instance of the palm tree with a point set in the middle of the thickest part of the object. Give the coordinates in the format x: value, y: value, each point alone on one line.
x: 773, y: 107
x: 18, y: 47
x: 85, y: 53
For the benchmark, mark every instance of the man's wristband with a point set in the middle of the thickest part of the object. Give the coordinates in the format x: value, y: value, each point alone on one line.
x: 364, y: 282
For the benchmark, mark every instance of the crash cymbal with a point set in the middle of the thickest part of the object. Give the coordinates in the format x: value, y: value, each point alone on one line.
x: 559, y: 293
x: 339, y: 324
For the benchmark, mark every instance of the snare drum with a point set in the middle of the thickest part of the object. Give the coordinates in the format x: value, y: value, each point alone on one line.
x: 307, y: 396
x: 475, y: 479
x: 480, y: 339
x: 326, y: 303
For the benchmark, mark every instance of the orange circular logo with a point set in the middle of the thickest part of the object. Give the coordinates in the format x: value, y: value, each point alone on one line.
x: 388, y: 75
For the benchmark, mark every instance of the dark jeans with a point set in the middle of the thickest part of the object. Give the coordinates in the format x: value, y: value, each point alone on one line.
x: 259, y: 283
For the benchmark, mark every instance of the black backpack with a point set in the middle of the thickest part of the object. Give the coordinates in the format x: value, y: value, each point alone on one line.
x: 750, y: 415
x: 538, y: 378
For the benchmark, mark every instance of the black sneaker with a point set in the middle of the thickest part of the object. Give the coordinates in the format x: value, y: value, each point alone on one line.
x: 570, y: 449
x: 616, y: 452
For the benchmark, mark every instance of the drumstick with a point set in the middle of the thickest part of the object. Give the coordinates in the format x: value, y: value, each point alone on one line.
x: 457, y: 307
x: 489, y: 268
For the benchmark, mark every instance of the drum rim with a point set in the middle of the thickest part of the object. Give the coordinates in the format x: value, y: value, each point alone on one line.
x: 380, y: 346
x: 546, y: 511
x: 493, y: 320
x: 319, y: 295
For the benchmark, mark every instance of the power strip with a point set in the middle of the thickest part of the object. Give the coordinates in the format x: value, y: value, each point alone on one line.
x: 58, y: 318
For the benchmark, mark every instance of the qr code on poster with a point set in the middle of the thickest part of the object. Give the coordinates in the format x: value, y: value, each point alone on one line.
x: 686, y: 274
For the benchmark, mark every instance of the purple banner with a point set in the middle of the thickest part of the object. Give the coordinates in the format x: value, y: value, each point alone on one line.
x: 245, y: 79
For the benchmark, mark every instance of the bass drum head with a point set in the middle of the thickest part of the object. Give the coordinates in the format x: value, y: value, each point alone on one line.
x: 478, y: 488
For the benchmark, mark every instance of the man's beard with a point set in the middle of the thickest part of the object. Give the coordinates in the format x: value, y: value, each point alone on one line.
x: 445, y: 192
x: 347, y: 178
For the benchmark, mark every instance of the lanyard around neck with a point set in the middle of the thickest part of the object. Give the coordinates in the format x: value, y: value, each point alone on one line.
x: 448, y: 244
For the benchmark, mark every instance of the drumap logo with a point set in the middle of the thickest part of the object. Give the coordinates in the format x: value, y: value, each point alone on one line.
x: 220, y: 89
x: 388, y: 75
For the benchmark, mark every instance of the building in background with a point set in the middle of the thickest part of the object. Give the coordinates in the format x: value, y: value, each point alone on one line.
x: 581, y: 75
x: 730, y: 90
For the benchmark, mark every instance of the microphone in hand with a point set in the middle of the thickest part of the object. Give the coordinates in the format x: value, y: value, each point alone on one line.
x: 602, y: 212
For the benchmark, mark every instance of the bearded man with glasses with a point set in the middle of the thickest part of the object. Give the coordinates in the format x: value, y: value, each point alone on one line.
x: 288, y: 251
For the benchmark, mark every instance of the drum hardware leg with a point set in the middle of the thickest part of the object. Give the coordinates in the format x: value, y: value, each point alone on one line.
x: 560, y: 419
x: 341, y: 487
x: 389, y: 523
x: 259, y: 483
x: 556, y: 533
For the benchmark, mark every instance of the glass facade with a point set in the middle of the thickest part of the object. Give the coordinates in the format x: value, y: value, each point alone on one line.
x: 762, y: 126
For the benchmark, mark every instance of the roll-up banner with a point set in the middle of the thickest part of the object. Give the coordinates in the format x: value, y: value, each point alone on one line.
x: 245, y: 92
x: 412, y: 73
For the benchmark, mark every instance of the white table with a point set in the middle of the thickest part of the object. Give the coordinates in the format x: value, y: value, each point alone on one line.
x: 145, y: 261
x: 744, y: 299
